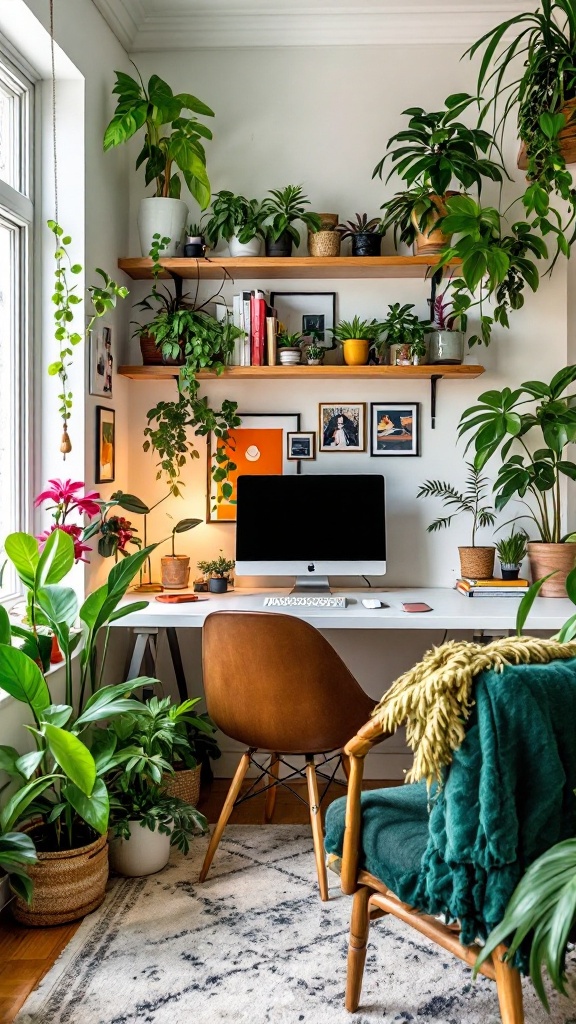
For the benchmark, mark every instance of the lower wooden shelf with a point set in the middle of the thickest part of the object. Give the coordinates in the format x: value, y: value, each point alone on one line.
x: 452, y: 372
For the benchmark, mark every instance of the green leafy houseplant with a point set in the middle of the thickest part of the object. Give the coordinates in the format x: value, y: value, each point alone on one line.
x: 286, y: 340
x: 220, y: 567
x: 234, y: 215
x: 467, y: 502
x: 315, y: 352
x: 368, y: 330
x: 402, y: 327
x: 17, y: 850
x: 361, y: 226
x: 172, y: 141
x: 512, y: 549
x: 182, y: 527
x: 284, y: 210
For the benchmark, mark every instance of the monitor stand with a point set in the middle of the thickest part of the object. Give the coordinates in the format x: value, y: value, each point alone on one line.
x: 311, y: 585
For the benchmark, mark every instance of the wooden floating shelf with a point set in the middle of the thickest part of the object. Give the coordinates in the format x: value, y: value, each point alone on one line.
x: 279, y: 268
x: 462, y: 372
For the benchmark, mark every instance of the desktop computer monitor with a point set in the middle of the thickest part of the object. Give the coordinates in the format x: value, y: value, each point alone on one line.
x: 311, y: 527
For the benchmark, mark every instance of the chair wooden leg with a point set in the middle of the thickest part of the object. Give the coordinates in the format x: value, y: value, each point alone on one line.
x: 346, y: 765
x: 316, y: 822
x: 271, y: 794
x: 509, y: 989
x: 225, y: 814
x: 359, y: 928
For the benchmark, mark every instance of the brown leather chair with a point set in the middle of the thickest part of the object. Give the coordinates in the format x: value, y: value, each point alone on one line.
x: 274, y: 683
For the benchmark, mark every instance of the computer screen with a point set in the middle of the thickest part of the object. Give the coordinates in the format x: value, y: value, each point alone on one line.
x: 311, y: 525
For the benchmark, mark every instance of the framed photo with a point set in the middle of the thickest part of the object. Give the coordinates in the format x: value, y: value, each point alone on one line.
x: 301, y: 446
x: 259, y: 447
x: 101, y: 358
x: 342, y: 426
x: 105, y: 444
x: 395, y: 428
x: 304, y: 312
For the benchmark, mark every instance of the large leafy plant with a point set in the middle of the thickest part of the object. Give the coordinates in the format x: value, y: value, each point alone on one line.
x: 17, y: 850
x: 235, y: 215
x: 172, y: 140
x: 499, y: 422
x: 402, y: 326
x: 467, y: 502
x: 286, y: 207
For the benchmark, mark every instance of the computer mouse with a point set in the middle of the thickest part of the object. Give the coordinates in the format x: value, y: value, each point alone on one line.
x: 372, y: 602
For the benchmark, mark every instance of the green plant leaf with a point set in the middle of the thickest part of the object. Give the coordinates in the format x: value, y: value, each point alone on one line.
x: 56, y: 560
x: 22, y: 550
x: 5, y: 630
x: 527, y: 601
x: 93, y: 808
x: 18, y: 803
x: 23, y: 680
x: 73, y: 757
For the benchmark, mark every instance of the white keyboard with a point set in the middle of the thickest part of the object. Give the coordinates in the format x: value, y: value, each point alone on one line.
x: 305, y: 601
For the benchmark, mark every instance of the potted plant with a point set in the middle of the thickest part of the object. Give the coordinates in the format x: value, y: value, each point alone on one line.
x: 237, y: 220
x: 446, y: 342
x: 218, y: 573
x: 403, y: 336
x: 533, y: 474
x: 511, y: 550
x: 476, y: 562
x: 315, y: 354
x: 366, y: 234
x: 173, y: 149
x: 356, y: 337
x: 289, y: 349
x: 195, y: 745
x: 195, y: 245
x: 326, y: 240
x: 176, y: 568
x: 436, y: 151
x: 286, y: 208
x: 17, y: 853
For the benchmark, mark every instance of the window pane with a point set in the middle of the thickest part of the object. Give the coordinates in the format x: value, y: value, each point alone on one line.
x: 9, y: 238
x: 7, y: 155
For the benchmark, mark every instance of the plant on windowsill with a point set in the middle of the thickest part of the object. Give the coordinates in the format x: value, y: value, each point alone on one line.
x: 475, y: 562
x: 366, y: 235
x: 176, y: 568
x: 403, y: 335
x: 436, y: 151
x: 283, y: 211
x: 239, y: 221
x: 289, y: 350
x: 356, y: 337
x: 218, y: 573
x: 533, y: 474
x: 172, y: 150
x: 511, y: 550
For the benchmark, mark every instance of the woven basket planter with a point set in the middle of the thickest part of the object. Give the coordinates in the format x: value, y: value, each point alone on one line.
x: 477, y: 563
x: 152, y: 355
x: 556, y: 558
x: 185, y: 784
x: 324, y: 243
x: 67, y: 884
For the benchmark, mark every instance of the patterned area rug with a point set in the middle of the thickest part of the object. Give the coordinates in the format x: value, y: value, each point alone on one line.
x: 253, y: 944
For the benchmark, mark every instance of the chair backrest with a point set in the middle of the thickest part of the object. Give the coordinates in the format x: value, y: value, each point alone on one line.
x: 273, y: 682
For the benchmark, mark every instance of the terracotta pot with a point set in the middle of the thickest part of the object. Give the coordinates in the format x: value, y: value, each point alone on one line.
x: 355, y: 351
x: 477, y: 563
x: 175, y: 571
x: 545, y: 558
x: 567, y: 140
x: 432, y: 240
x: 68, y: 884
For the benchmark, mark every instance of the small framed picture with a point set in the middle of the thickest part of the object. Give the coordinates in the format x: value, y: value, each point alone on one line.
x: 311, y: 314
x: 395, y: 428
x: 101, y: 358
x: 301, y: 446
x: 105, y: 444
x: 342, y: 426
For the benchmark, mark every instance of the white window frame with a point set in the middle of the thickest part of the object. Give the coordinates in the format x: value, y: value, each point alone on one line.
x: 17, y: 209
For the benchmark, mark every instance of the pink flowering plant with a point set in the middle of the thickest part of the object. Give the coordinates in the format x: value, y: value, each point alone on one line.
x: 64, y: 500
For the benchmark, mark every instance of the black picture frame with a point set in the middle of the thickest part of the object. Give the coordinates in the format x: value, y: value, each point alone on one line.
x: 400, y: 437
x: 299, y: 314
x: 105, y: 418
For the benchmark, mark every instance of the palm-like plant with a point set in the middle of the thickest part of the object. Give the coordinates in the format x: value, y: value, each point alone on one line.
x: 467, y: 502
x: 361, y: 226
x: 346, y: 330
x: 286, y: 207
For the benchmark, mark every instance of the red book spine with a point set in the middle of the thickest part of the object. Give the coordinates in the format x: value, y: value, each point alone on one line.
x: 258, y: 318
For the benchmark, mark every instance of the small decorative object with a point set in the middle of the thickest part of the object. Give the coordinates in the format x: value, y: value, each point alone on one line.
x: 342, y: 427
x: 239, y: 221
x: 289, y: 348
x: 283, y: 211
x: 176, y: 568
x: 200, y: 586
x: 301, y: 446
x: 67, y: 501
x: 105, y: 445
x: 356, y: 337
x: 258, y: 446
x: 475, y: 562
x: 395, y: 428
x: 446, y: 343
x: 218, y: 573
x: 325, y: 241
x: 195, y: 245
x: 366, y: 234
x: 312, y: 314
x: 511, y: 550
x: 404, y: 336
x: 315, y: 354
x: 101, y: 360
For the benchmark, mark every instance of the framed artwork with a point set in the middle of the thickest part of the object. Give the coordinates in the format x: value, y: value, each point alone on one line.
x: 342, y: 426
x: 101, y: 358
x: 301, y: 445
x: 395, y: 428
x: 304, y: 312
x: 260, y: 447
x: 105, y: 444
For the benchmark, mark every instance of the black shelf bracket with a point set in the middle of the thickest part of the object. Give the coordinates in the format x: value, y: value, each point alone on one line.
x: 433, y: 382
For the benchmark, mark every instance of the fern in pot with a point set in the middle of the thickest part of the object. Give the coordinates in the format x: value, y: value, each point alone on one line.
x: 511, y: 550
x: 476, y: 562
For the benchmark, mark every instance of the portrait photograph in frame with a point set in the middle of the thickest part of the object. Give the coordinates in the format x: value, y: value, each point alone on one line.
x: 105, y: 444
x: 301, y: 445
x: 395, y: 428
x: 342, y: 427
x: 257, y: 447
x: 307, y: 312
x: 101, y: 360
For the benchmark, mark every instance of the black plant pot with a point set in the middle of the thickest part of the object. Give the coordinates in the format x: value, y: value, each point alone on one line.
x: 366, y: 243
x: 196, y: 249
x: 218, y: 585
x: 510, y: 574
x: 281, y: 247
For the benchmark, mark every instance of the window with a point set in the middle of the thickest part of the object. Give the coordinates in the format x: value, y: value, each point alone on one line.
x: 16, y: 228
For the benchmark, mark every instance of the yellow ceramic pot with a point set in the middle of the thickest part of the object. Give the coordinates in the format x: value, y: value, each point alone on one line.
x: 356, y: 351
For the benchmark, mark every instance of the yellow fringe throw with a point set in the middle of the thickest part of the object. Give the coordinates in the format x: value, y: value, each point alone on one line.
x: 434, y: 699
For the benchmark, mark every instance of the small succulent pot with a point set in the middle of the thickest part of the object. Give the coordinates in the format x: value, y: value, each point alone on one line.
x: 251, y: 248
x: 218, y: 584
x: 446, y: 347
x: 324, y: 243
x: 477, y: 563
x: 355, y: 351
x: 281, y: 247
x: 175, y: 571
x: 402, y: 355
x: 509, y: 572
x: 290, y: 356
x: 195, y: 247
x: 314, y: 362
x: 366, y: 243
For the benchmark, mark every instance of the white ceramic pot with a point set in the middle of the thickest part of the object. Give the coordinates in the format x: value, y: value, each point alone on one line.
x: 290, y: 356
x: 167, y: 217
x: 251, y: 248
x: 143, y: 854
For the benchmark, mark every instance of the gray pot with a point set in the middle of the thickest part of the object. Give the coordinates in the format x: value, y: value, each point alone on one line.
x: 446, y: 347
x: 218, y: 584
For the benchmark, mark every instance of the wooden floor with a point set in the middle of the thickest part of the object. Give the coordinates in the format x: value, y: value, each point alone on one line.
x: 26, y: 954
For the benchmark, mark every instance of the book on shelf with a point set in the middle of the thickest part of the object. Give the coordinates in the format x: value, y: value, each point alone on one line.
x: 271, y: 344
x: 494, y: 592
x: 494, y: 581
x: 258, y: 327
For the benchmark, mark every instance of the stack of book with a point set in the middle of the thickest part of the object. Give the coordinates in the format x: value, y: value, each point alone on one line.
x: 492, y: 588
x: 252, y: 313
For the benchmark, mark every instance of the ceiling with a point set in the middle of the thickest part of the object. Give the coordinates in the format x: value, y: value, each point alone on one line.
x: 155, y: 25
